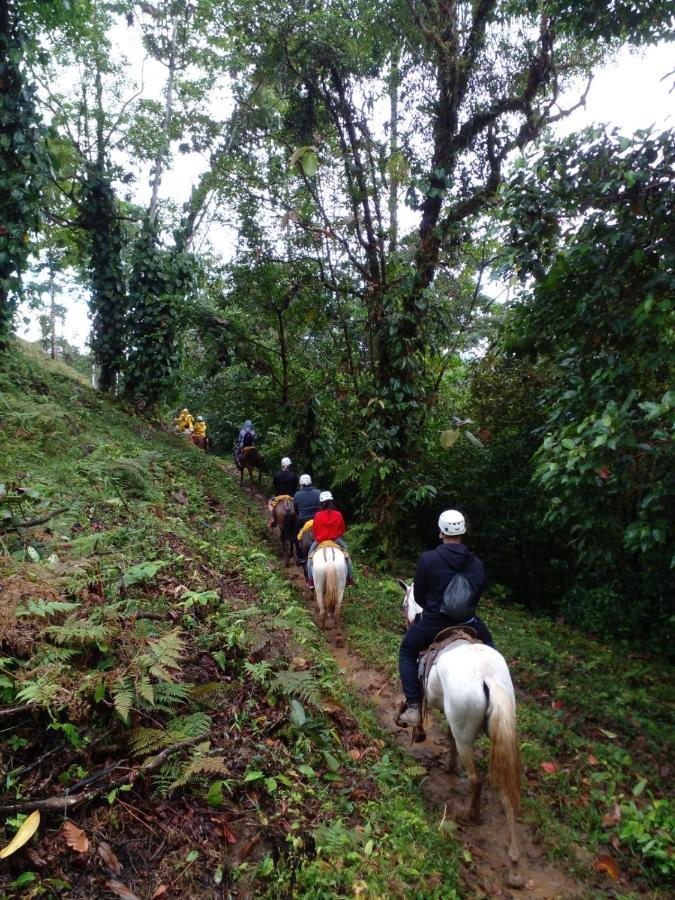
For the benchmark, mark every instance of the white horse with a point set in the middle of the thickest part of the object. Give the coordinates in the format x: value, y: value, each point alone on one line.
x: 330, y: 577
x: 472, y: 685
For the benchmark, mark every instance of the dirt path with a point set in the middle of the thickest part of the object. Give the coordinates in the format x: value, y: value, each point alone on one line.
x: 484, y: 844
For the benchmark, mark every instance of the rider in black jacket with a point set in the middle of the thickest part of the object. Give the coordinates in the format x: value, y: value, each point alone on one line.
x: 307, y: 505
x: 435, y: 569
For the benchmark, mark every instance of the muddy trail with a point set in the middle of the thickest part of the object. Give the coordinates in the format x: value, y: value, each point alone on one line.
x: 485, y: 869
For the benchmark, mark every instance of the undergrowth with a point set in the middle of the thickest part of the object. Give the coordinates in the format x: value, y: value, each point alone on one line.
x: 156, y: 668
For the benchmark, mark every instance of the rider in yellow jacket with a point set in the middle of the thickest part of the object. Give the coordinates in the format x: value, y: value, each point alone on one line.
x: 185, y: 420
x: 200, y: 427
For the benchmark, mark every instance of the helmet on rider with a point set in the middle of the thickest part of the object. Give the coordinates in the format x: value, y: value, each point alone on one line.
x: 285, y: 462
x: 200, y: 418
x: 451, y: 523
x: 305, y: 480
x: 324, y: 496
x: 184, y: 409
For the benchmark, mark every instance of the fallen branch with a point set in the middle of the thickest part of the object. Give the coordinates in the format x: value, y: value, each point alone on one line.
x: 66, y: 801
x: 30, y: 523
x: 14, y: 710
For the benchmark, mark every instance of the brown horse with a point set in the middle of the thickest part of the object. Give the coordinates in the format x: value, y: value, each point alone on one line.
x: 201, y: 441
x: 285, y: 516
x: 251, y: 459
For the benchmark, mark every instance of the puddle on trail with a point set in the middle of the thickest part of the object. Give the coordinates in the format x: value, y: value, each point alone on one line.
x: 447, y: 794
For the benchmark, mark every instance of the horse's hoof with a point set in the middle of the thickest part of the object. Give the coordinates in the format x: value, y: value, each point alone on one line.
x: 515, y: 880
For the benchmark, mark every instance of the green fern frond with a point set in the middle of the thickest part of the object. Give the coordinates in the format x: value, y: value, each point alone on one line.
x: 415, y: 771
x: 169, y: 694
x: 44, y: 608
x: 145, y: 690
x: 145, y: 741
x: 164, y: 653
x: 302, y: 685
x: 221, y: 658
x: 123, y: 694
x: 48, y: 655
x: 193, y: 725
x: 80, y: 631
x: 200, y: 765
x: 260, y: 672
x: 39, y: 692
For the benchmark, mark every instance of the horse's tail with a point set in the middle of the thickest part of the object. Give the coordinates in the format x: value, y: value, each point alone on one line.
x: 330, y: 586
x: 504, y: 748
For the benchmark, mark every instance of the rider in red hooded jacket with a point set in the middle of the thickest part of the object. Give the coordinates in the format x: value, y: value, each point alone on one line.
x: 329, y: 525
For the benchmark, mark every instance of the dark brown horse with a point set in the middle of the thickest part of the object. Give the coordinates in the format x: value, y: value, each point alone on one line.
x: 285, y: 516
x: 201, y: 441
x: 304, y: 544
x: 250, y: 459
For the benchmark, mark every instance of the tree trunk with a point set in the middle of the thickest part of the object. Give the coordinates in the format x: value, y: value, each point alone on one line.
x: 168, y: 109
x: 52, y: 310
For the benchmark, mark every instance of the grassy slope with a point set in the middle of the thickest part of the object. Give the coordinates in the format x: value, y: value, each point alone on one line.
x: 322, y: 805
x: 286, y: 784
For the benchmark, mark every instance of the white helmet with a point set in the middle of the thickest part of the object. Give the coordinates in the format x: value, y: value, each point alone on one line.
x: 305, y: 479
x: 325, y: 495
x: 200, y: 418
x: 452, y: 522
x: 285, y: 462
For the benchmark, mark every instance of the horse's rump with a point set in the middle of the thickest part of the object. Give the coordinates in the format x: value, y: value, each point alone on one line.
x: 329, y: 571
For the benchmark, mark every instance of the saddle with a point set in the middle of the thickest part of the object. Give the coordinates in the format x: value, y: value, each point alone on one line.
x: 246, y: 450
x: 275, y: 500
x: 325, y: 545
x: 443, y: 639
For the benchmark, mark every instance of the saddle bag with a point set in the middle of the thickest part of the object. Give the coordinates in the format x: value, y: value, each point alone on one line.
x: 459, y: 601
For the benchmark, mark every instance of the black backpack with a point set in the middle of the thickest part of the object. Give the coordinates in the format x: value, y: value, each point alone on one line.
x: 248, y: 440
x: 458, y: 597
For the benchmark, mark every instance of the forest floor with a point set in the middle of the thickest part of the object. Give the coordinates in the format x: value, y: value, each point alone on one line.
x: 169, y: 707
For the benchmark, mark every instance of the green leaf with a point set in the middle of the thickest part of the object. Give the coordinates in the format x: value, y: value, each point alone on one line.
x: 331, y: 762
x: 310, y: 163
x: 298, y: 717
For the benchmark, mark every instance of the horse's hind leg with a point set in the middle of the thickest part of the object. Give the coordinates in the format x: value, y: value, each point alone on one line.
x: 472, y: 813
x: 451, y: 767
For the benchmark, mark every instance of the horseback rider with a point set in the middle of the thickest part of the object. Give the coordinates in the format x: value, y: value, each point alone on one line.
x: 200, y: 427
x: 307, y: 505
x: 329, y: 525
x: 284, y: 482
x: 185, y: 420
x: 435, y: 569
x: 247, y: 438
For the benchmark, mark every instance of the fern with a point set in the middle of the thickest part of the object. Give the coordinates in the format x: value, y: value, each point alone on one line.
x: 164, y: 653
x: 145, y: 741
x: 298, y: 684
x: 200, y: 764
x: 146, y: 690
x: 193, y: 725
x: 48, y: 655
x: 260, y: 672
x: 131, y: 478
x: 221, y: 658
x: 79, y: 631
x: 123, y: 694
x: 170, y: 693
x: 43, y: 608
x: 415, y: 771
x: 39, y: 692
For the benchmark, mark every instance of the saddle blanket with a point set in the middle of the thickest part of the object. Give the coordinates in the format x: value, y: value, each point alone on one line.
x: 325, y: 544
x: 305, y: 528
x: 275, y: 500
x: 442, y: 640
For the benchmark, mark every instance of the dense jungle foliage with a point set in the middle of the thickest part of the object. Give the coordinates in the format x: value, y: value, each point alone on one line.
x: 373, y: 173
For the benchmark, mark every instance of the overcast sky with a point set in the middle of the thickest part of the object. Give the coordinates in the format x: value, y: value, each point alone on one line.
x: 630, y: 93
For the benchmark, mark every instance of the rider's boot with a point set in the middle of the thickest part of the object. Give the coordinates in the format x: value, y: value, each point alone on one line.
x: 411, y: 716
